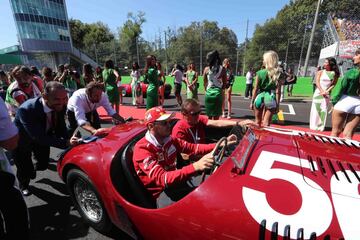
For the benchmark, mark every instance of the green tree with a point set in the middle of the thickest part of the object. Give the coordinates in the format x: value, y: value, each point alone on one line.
x: 77, y: 30
x: 95, y: 39
x: 184, y: 45
x: 289, y: 25
x: 129, y: 35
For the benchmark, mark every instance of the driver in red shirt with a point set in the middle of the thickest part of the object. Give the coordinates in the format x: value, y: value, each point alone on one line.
x: 192, y: 127
x: 155, y: 159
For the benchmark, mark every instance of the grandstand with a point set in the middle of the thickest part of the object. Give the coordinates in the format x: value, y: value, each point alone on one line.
x: 341, y: 39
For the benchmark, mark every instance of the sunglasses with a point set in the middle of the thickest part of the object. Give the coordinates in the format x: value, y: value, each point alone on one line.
x: 192, y: 113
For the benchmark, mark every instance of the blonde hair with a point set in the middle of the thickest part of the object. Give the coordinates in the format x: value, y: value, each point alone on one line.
x: 271, y: 62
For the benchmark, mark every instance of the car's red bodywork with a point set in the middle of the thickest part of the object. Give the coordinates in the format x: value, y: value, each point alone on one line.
x: 126, y: 89
x: 284, y: 184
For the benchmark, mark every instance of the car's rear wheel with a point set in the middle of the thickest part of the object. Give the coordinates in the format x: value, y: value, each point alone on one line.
x: 88, y: 201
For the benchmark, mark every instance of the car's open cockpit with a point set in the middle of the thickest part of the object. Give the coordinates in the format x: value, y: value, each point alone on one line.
x: 126, y: 180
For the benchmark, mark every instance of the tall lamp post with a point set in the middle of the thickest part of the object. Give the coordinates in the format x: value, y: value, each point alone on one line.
x: 287, y: 50
x: 311, y: 38
x: 201, y: 48
x: 302, y: 46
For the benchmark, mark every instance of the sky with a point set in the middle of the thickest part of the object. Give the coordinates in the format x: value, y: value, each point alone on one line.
x: 159, y: 15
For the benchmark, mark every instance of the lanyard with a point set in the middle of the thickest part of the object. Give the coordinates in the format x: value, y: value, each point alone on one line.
x: 196, y: 135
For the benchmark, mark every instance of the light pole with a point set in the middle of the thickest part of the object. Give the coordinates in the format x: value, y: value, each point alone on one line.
x: 311, y: 38
x: 166, y: 59
x: 302, y: 46
x: 246, y: 36
x: 137, y: 50
x: 96, y: 56
x: 237, y: 60
x: 201, y: 43
x: 287, y: 51
x: 114, y: 45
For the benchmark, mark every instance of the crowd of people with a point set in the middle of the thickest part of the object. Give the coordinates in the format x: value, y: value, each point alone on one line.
x: 40, y: 105
x: 347, y: 26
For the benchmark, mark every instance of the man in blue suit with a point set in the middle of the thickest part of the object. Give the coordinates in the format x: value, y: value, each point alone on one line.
x: 41, y: 124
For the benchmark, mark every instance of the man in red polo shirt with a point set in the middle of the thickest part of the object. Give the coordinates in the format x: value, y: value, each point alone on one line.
x: 155, y: 158
x: 192, y: 127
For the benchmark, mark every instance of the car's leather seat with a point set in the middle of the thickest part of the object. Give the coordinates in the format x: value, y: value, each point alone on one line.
x: 140, y: 193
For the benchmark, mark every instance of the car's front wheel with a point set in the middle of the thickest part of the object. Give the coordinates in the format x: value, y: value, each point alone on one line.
x: 88, y: 201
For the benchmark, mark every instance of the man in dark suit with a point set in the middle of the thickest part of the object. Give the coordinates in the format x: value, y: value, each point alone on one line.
x: 41, y: 124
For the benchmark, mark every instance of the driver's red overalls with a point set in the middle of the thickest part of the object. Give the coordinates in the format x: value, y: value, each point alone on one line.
x: 155, y: 164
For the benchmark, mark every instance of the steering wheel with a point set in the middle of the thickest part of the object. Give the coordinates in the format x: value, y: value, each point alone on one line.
x: 218, y: 155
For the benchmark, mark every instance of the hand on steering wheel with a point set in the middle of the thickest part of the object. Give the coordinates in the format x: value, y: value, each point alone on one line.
x: 218, y: 154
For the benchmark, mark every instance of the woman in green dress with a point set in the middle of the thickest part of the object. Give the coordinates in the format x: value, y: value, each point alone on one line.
x: 346, y: 113
x: 266, y: 98
x: 151, y: 77
x: 214, y: 79
x: 110, y: 78
x: 192, y: 82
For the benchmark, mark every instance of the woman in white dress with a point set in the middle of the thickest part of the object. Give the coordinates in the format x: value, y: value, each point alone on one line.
x: 325, y: 81
x: 137, y: 98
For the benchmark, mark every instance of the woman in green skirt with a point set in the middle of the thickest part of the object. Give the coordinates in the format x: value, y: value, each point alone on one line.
x: 110, y: 78
x: 214, y: 80
x: 266, y: 98
x: 151, y: 77
x: 192, y: 82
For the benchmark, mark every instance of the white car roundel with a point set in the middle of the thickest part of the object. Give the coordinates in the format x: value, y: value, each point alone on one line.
x: 299, y: 201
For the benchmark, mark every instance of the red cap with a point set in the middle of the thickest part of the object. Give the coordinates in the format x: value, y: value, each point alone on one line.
x: 157, y: 114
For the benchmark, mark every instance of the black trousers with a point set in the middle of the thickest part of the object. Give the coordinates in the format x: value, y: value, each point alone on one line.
x: 22, y: 156
x: 13, y: 210
x: 92, y: 117
x: 248, y: 90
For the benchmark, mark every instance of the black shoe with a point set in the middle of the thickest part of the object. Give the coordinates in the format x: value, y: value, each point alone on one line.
x: 26, y: 191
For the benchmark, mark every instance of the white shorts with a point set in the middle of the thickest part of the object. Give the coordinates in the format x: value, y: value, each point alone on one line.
x: 349, y: 104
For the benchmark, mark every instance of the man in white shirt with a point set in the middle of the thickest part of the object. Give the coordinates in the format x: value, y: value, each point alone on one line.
x: 81, y: 109
x: 249, y: 83
x: 178, y: 74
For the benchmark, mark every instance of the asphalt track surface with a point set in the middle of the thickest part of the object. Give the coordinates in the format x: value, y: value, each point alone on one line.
x: 52, y: 213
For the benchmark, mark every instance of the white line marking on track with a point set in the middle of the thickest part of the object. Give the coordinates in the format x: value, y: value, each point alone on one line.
x: 291, y: 109
x: 290, y: 106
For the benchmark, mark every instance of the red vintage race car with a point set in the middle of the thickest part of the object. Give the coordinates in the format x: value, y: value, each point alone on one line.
x: 275, y: 184
x: 126, y: 90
